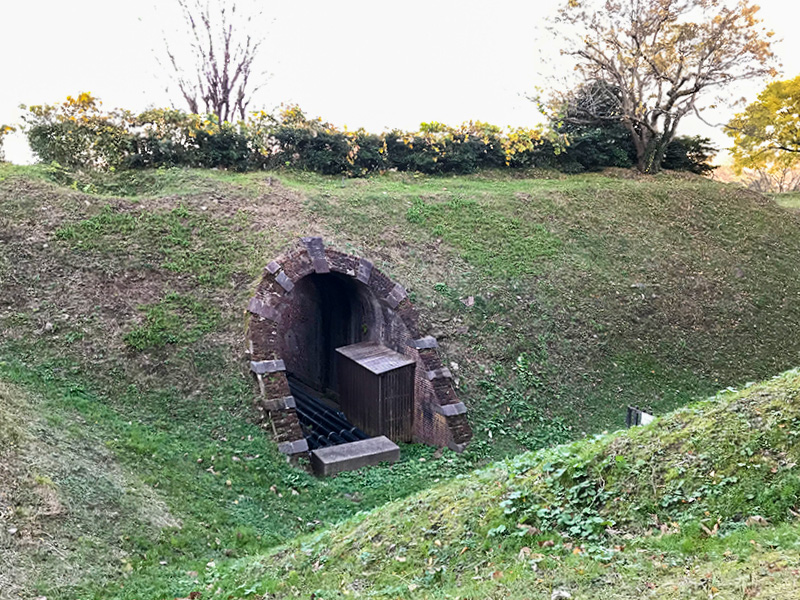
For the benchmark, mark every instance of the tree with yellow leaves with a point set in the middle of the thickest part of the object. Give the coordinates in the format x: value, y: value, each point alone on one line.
x: 767, y: 137
x: 656, y: 60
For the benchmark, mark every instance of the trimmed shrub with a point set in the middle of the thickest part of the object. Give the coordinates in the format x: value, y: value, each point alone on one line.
x: 172, y: 138
x: 324, y: 151
x: 77, y: 134
x: 367, y: 153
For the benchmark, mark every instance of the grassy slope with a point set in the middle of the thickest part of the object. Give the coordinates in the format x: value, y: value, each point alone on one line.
x: 121, y: 317
x: 618, y: 291
x: 788, y: 199
x: 174, y: 414
x: 702, y: 504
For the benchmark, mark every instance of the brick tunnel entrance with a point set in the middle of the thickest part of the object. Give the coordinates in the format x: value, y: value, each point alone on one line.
x: 318, y: 313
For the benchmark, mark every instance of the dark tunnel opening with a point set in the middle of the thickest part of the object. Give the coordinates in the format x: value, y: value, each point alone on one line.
x: 328, y: 311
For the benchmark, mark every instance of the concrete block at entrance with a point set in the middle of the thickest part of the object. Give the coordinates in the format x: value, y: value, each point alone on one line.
x: 348, y: 457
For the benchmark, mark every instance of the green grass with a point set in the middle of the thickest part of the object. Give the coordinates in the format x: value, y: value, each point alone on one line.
x: 123, y: 341
x: 175, y: 320
x: 505, y: 246
x: 788, y: 199
x: 691, y: 506
x: 180, y: 240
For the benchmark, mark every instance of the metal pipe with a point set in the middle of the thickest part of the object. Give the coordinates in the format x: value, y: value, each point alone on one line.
x: 322, y: 425
x: 308, y: 404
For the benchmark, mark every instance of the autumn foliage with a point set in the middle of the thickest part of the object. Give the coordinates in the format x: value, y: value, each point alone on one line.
x: 661, y: 59
x: 767, y: 137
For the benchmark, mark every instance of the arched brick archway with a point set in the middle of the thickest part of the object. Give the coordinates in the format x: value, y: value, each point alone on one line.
x: 296, y: 292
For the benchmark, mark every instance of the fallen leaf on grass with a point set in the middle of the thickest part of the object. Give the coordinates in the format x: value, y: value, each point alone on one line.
x: 711, y: 532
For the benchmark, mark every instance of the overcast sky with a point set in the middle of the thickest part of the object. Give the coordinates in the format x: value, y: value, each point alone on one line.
x: 367, y: 63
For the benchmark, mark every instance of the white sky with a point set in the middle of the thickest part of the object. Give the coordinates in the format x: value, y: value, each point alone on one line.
x: 369, y: 63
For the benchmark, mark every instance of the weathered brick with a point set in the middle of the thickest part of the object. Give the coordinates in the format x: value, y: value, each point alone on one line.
x: 364, y: 270
x: 284, y: 281
x: 346, y: 264
x: 430, y: 359
x: 380, y: 284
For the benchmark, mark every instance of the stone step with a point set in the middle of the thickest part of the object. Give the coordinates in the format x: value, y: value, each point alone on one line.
x: 354, y: 455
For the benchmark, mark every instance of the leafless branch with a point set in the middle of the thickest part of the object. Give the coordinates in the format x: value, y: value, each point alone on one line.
x: 217, y: 75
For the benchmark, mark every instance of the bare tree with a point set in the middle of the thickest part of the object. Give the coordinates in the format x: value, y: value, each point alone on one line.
x: 657, y: 57
x: 776, y: 179
x: 216, y: 74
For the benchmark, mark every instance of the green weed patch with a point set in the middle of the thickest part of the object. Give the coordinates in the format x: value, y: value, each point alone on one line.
x: 707, y: 485
x: 176, y: 319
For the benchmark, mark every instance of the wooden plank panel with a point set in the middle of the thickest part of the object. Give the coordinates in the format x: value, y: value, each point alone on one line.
x: 376, y: 399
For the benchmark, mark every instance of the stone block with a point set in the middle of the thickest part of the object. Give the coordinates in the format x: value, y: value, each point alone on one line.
x: 295, y: 447
x: 321, y: 265
x: 315, y: 248
x: 260, y: 367
x: 278, y: 403
x: 443, y: 373
x: 284, y: 281
x: 262, y: 309
x: 348, y: 457
x: 313, y: 244
x: 273, y: 267
x: 364, y: 270
x: 424, y: 343
x: 450, y: 410
x: 397, y: 294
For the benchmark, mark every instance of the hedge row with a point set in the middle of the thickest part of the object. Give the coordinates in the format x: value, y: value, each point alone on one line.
x: 79, y: 134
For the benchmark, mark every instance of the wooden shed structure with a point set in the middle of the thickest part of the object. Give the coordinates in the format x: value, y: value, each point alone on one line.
x: 376, y: 389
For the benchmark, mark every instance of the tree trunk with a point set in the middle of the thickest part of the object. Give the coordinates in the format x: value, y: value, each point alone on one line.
x: 650, y: 160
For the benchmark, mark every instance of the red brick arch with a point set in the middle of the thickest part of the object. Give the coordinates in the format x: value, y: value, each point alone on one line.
x: 439, y: 417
